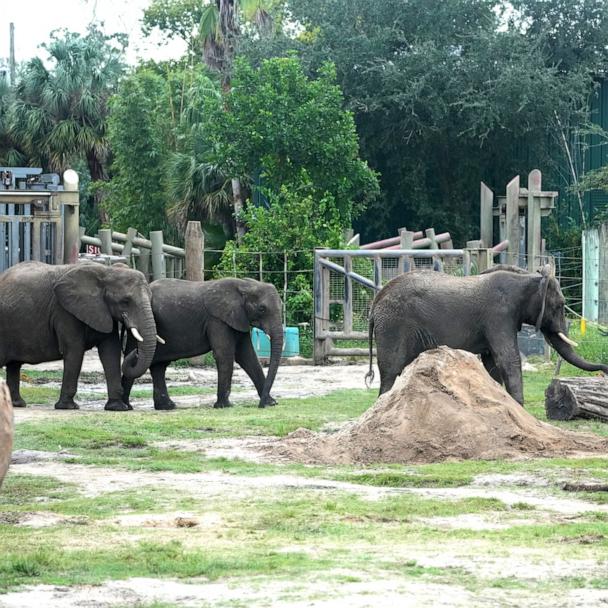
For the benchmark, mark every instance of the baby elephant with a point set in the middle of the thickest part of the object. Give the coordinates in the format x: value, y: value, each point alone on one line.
x: 195, y: 318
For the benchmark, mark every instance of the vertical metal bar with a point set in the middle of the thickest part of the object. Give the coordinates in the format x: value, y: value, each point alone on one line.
x: 36, y: 240
x: 284, y: 289
x: 261, y: 269
x: 348, y: 295
x: 3, y: 260
x: 14, y: 259
x: 57, y: 241
x: 27, y: 235
x: 378, y: 271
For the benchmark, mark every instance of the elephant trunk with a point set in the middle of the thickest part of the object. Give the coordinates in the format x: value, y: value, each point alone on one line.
x: 276, y: 349
x: 567, y: 353
x: 139, y: 359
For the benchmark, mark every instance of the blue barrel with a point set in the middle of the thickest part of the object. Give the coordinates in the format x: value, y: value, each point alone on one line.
x: 291, y: 342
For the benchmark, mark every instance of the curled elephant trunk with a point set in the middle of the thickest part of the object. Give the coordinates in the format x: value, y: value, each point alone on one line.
x: 139, y: 359
x: 567, y: 353
x: 276, y: 349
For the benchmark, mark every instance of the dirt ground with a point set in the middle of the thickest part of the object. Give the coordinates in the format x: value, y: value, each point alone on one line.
x: 336, y: 588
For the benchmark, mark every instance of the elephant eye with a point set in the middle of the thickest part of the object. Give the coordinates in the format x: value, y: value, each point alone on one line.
x: 262, y: 308
x: 125, y: 301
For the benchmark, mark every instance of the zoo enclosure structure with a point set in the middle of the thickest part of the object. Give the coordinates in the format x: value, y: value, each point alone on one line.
x: 346, y: 280
x: 39, y: 217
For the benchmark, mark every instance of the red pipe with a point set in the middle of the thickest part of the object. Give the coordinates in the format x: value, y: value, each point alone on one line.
x: 394, y: 240
x: 444, y: 237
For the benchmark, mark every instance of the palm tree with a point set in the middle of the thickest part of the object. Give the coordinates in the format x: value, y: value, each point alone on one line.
x: 60, y: 114
x: 219, y: 29
x: 10, y: 154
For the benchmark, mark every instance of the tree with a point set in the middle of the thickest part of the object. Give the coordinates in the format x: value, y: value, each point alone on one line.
x: 60, y: 113
x: 160, y: 174
x: 277, y: 122
x: 445, y: 94
x: 139, y: 132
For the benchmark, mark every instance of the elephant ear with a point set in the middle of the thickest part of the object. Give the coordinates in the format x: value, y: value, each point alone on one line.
x: 225, y: 301
x: 80, y: 292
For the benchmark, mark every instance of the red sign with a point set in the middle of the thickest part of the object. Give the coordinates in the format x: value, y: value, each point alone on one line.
x: 93, y: 249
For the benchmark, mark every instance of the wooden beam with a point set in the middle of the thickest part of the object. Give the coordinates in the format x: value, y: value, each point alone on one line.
x: 486, y: 219
x: 512, y: 221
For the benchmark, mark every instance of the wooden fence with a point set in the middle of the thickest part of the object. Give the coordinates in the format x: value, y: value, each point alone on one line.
x: 346, y: 280
x: 152, y: 256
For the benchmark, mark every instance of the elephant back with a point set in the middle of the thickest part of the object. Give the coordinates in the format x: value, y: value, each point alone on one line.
x: 6, y: 429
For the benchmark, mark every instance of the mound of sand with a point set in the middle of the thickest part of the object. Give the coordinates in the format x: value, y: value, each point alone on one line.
x: 6, y: 429
x: 444, y: 406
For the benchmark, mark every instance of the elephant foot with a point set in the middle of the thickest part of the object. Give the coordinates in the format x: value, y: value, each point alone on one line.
x: 66, y: 404
x: 116, y: 405
x: 222, y: 404
x: 169, y: 404
x: 267, y: 402
x: 19, y: 403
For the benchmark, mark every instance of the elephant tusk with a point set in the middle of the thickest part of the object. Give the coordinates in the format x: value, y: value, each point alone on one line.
x: 136, y: 334
x: 160, y: 340
x: 566, y: 339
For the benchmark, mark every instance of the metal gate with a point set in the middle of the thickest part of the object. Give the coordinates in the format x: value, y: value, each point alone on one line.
x: 346, y: 281
x: 29, y: 230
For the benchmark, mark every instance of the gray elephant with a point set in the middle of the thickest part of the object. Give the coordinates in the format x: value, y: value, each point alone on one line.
x: 196, y: 318
x: 6, y: 430
x: 481, y: 314
x: 49, y: 313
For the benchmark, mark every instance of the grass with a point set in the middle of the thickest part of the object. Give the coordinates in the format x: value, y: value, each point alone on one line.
x: 298, y: 533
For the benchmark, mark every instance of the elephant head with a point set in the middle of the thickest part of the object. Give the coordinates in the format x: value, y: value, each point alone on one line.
x: 101, y: 295
x: 546, y: 310
x: 242, y: 303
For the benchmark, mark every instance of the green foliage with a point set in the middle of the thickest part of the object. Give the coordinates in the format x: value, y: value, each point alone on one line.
x: 295, y: 222
x: 447, y: 94
x: 139, y: 132
x: 277, y: 122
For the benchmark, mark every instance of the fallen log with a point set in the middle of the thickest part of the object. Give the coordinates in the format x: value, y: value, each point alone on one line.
x: 584, y: 397
x: 585, y: 487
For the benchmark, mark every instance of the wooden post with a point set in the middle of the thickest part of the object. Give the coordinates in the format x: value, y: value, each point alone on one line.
x: 406, y: 263
x: 143, y: 262
x: 486, y: 220
x: 378, y: 272
x: 534, y: 219
x: 128, y: 248
x: 105, y: 236
x: 159, y: 270
x: 285, y: 277
x: 194, y: 251
x: 430, y: 234
x: 512, y: 220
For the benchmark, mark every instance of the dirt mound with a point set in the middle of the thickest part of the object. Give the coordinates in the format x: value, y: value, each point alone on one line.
x: 444, y: 406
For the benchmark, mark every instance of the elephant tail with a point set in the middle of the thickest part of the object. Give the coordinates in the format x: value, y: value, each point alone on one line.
x: 369, y: 377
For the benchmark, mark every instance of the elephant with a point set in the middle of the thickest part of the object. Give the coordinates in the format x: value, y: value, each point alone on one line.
x: 199, y: 317
x: 6, y: 429
x: 49, y: 313
x: 481, y: 314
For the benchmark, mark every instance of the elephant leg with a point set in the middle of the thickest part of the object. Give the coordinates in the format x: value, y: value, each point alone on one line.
x: 127, y: 385
x: 109, y: 354
x: 488, y: 362
x: 162, y: 401
x: 391, y: 362
x: 13, y: 379
x: 248, y: 360
x: 72, y: 364
x: 505, y: 353
x: 223, y: 343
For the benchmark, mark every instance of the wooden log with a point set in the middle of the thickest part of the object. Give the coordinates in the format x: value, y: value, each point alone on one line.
x: 583, y: 397
x: 6, y: 429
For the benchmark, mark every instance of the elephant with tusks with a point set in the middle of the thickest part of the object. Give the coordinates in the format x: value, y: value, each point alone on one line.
x: 48, y: 313
x: 481, y: 314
